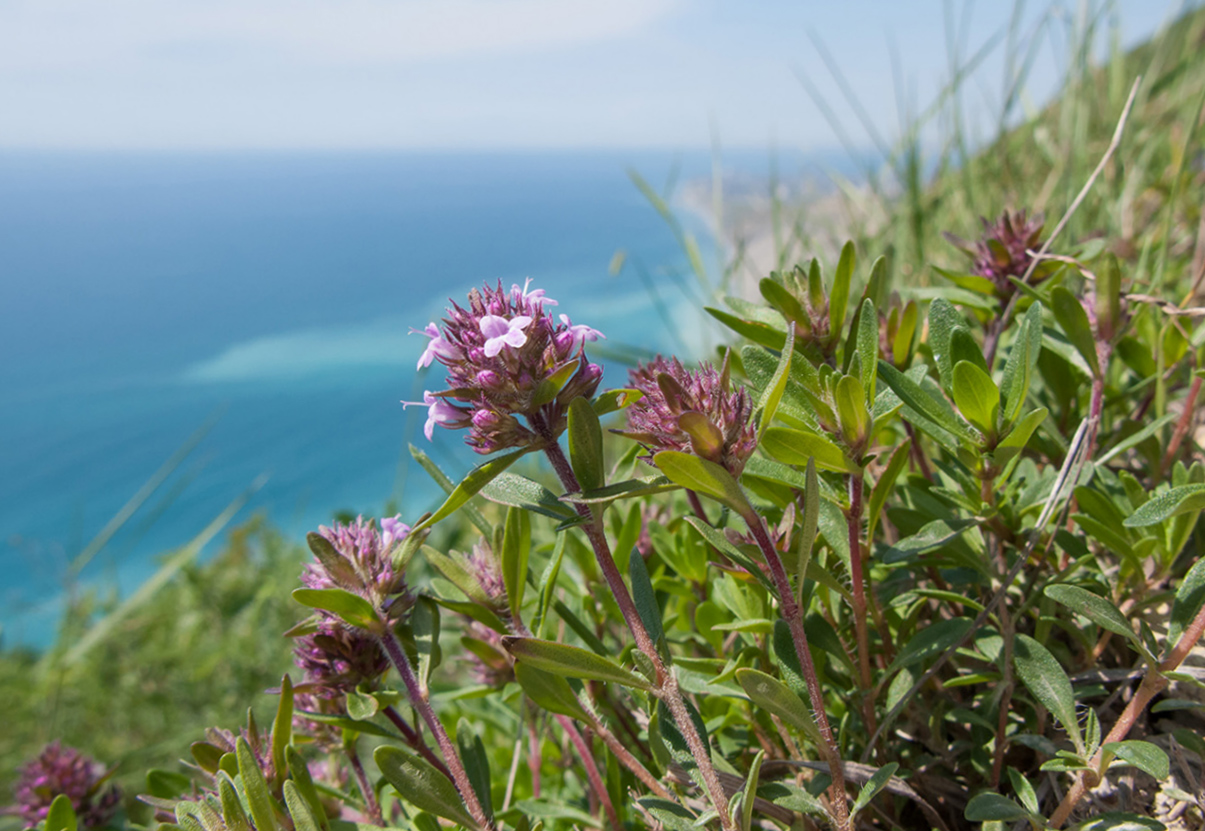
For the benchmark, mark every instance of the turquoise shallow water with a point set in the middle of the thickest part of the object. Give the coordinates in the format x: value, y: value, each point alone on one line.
x: 146, y: 295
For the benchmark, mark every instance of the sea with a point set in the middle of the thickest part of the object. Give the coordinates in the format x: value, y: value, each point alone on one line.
x: 180, y: 332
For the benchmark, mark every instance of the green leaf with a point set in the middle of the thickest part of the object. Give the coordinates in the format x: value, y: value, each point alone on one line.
x: 552, y: 692
x: 786, y: 303
x: 470, y: 486
x: 775, y: 697
x: 282, y: 726
x: 336, y: 565
x: 912, y: 394
x: 167, y: 784
x: 476, y: 762
x: 233, y: 815
x: 670, y: 814
x: 420, y: 784
x: 552, y: 809
x: 796, y: 447
x: 932, y: 641
x: 586, y: 445
x: 645, y: 598
x: 838, y: 296
x: 1145, y: 756
x: 1073, y: 320
x: 1097, y: 609
x: 303, y: 817
x: 1190, y: 597
x: 1121, y: 821
x: 627, y: 489
x: 749, y: 793
x: 876, y: 783
x: 943, y: 319
x: 976, y: 396
x: 520, y: 492
x: 851, y: 408
x: 571, y: 662
x: 447, y: 485
x: 1108, y: 297
x: 1021, y: 364
x: 932, y: 536
x: 61, y: 816
x: 612, y: 400
x: 1015, y: 442
x: 771, y: 396
x: 905, y: 335
x: 868, y: 346
x: 454, y: 570
x: 964, y: 348
x: 1024, y: 790
x: 1182, y: 500
x: 676, y: 742
x: 756, y: 331
x: 304, y: 783
x: 1045, y: 679
x: 993, y: 807
x: 350, y: 607
x: 704, y: 477
x: 787, y: 794
x: 726, y: 547
x: 259, y: 800
x: 424, y: 623
x: 886, y: 484
x: 516, y: 549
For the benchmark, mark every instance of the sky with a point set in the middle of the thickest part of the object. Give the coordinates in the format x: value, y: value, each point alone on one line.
x: 497, y: 74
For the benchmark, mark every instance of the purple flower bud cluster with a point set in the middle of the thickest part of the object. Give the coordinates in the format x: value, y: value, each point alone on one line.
x: 692, y: 412
x: 260, y: 743
x: 1002, y: 251
x: 364, y: 565
x: 484, y: 568
x: 489, y: 663
x: 335, y: 657
x: 64, y: 770
x: 502, y: 354
x: 325, y: 736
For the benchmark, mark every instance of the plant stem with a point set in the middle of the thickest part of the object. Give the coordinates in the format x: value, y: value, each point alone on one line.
x: 1153, y: 683
x: 596, y: 782
x: 666, y: 682
x: 420, y: 703
x: 415, y: 740
x: 370, y: 798
x: 1186, y: 417
x: 858, y: 581
x: 793, y: 615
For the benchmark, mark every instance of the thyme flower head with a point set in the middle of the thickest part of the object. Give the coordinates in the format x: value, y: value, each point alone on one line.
x: 489, y: 663
x: 484, y: 568
x: 507, y: 359
x: 336, y: 659
x: 1003, y: 251
x: 693, y: 412
x: 362, y: 563
x: 64, y: 770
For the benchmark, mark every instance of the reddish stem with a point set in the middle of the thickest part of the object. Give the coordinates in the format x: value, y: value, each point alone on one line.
x: 793, y: 615
x: 1185, y: 422
x: 420, y: 703
x: 667, y: 683
x: 415, y: 740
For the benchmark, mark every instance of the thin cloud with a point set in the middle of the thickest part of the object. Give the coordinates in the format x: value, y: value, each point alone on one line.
x: 78, y: 34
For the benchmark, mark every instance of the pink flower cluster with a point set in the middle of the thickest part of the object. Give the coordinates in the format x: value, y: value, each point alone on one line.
x: 500, y: 352
x: 692, y: 412
x: 64, y: 770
